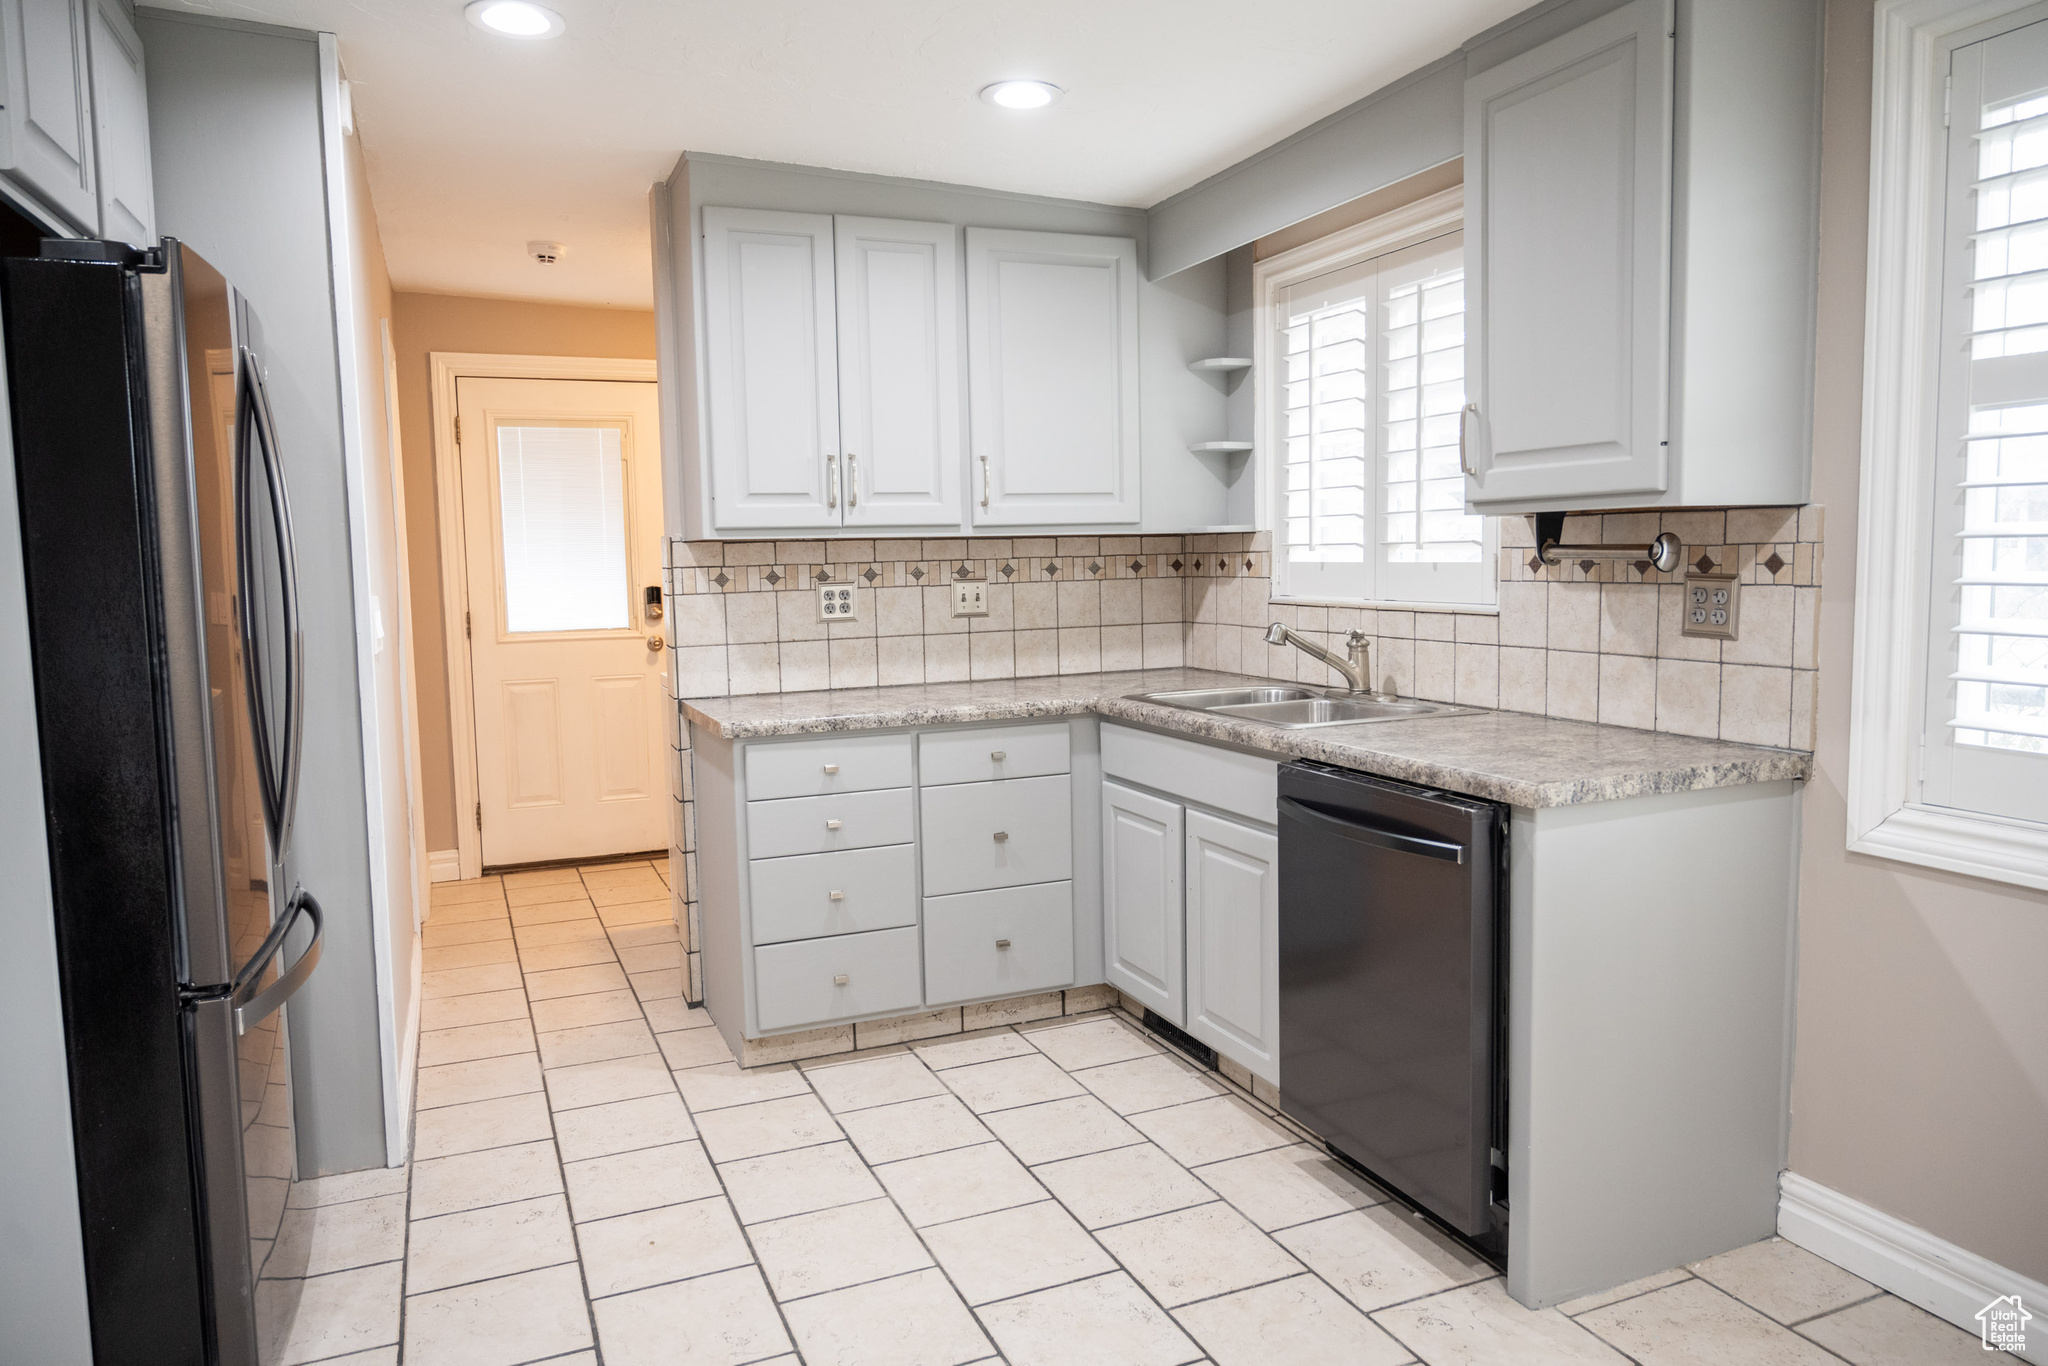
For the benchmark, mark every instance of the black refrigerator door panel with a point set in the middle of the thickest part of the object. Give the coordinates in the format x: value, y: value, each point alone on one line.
x: 1387, y: 982
x: 103, y: 718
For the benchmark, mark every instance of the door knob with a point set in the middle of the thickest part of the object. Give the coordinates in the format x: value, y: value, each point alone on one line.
x: 1002, y: 836
x: 831, y: 825
x: 835, y: 896
x: 654, y: 642
x: 840, y: 980
x: 831, y: 768
x: 1002, y: 943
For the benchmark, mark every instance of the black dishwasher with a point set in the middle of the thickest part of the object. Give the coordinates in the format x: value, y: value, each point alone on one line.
x: 1392, y: 989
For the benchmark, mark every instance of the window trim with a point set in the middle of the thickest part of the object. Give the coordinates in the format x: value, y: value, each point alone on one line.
x: 1411, y: 224
x: 1902, y: 330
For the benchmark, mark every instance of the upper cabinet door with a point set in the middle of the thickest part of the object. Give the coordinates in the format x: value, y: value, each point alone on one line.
x: 1052, y: 357
x: 899, y: 371
x: 1568, y: 193
x: 769, y: 361
x: 48, y: 117
x: 120, y: 110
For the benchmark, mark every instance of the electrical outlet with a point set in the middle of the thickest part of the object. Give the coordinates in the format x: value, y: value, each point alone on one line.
x: 837, y: 602
x: 1712, y: 605
x: 970, y: 597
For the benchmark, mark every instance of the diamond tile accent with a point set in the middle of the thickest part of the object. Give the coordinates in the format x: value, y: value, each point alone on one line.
x: 1705, y: 563
x: 1094, y: 567
x: 1775, y: 563
x: 1535, y: 564
x: 1137, y: 566
x: 823, y: 576
x: 1643, y: 567
x: 870, y: 574
x: 1176, y: 566
x: 961, y: 571
x: 773, y: 576
x: 1008, y: 570
x: 1052, y: 566
x: 917, y: 573
x: 720, y: 579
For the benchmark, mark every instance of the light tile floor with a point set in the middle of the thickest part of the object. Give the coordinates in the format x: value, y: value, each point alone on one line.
x: 1060, y: 1193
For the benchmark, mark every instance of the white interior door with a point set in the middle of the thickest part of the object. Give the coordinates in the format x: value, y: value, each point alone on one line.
x: 1052, y: 359
x: 769, y: 361
x: 1568, y: 229
x: 898, y: 287
x: 561, y: 510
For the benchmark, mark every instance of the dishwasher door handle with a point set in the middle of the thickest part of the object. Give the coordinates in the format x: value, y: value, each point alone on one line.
x: 1373, y: 835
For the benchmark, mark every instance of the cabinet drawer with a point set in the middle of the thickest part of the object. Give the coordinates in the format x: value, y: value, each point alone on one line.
x: 1246, y: 785
x: 798, y: 984
x: 1002, y: 943
x: 992, y: 752
x: 1006, y: 834
x: 819, y: 894
x: 839, y: 763
x: 824, y: 825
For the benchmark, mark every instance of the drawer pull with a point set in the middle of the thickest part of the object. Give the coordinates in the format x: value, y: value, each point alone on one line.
x: 840, y: 980
x: 997, y: 755
x: 835, y: 896
x: 831, y: 768
x: 1001, y: 836
x: 831, y: 825
x: 1002, y: 943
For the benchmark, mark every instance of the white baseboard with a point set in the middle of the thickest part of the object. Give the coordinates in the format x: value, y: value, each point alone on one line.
x: 1947, y: 1281
x: 444, y: 865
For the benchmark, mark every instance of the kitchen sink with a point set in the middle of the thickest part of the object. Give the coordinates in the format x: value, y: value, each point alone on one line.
x: 1299, y: 708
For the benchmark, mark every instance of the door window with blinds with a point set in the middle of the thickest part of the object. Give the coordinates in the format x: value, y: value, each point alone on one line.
x: 562, y: 528
x: 1370, y: 384
x: 1986, y: 746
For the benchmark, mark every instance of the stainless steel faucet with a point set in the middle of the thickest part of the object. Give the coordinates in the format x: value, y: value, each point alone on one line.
x: 1355, y: 664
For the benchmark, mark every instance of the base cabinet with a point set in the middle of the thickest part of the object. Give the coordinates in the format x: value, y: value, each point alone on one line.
x: 1233, y: 940
x: 1141, y: 898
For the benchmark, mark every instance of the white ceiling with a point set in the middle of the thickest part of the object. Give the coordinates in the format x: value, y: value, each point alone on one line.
x: 478, y: 143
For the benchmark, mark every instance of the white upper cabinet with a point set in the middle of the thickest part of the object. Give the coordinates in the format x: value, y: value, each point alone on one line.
x: 898, y: 287
x: 1052, y: 357
x: 1641, y: 235
x: 1567, y: 158
x: 770, y: 343
x: 120, y: 107
x: 48, y: 117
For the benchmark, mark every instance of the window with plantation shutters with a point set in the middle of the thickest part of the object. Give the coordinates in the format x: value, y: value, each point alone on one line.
x: 1986, y: 745
x: 1370, y: 382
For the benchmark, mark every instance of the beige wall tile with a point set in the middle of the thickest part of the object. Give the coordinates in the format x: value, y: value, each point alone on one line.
x: 700, y: 671
x: 1805, y: 697
x: 1393, y: 664
x: 796, y: 615
x: 1764, y: 627
x: 1756, y: 704
x: 1574, y: 622
x: 1672, y: 642
x: 1123, y: 647
x: 753, y: 668
x: 750, y: 617
x: 853, y: 663
x: 1436, y: 626
x: 1522, y: 679
x: 990, y: 656
x: 899, y: 611
x: 1002, y: 611
x: 1162, y: 599
x: 1436, y: 670
x: 1080, y: 604
x: 1524, y: 613
x: 1628, y: 619
x: 1036, y: 605
x: 1080, y: 647
x: 1478, y: 681
x: 1164, y: 646
x: 699, y: 620
x: 1628, y: 691
x: 1123, y: 602
x: 1688, y: 697
x: 805, y: 666
x: 1038, y: 653
x: 1762, y: 526
x: 899, y: 659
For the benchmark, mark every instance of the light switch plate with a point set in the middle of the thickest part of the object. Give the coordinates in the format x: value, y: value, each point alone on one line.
x: 1712, y: 606
x: 838, y: 602
x: 970, y: 597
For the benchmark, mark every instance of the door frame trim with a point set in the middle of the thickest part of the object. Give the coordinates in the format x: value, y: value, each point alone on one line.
x: 446, y: 368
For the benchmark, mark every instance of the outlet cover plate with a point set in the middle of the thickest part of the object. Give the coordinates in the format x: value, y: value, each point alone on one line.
x: 970, y: 597
x: 1712, y: 605
x: 838, y: 602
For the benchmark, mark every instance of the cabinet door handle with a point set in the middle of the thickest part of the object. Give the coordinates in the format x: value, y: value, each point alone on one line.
x: 1465, y: 416
x: 840, y: 980
x: 1002, y: 943
x: 831, y: 825
x: 852, y: 480
x: 984, y: 481
x: 997, y: 755
x: 831, y: 480
x: 831, y: 768
x: 835, y: 896
x: 1002, y: 836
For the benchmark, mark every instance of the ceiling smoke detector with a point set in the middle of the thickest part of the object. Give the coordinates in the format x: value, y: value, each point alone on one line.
x: 547, y: 253
x: 514, y: 18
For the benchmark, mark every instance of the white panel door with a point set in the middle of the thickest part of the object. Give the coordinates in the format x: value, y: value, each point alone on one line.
x: 120, y: 114
x: 561, y: 500
x: 899, y: 371
x: 1568, y: 229
x: 48, y: 103
x: 1052, y: 361
x: 1233, y: 940
x: 769, y: 358
x: 1141, y: 898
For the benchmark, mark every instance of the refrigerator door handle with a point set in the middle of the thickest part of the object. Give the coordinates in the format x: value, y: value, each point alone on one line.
x: 252, y: 1007
x: 1373, y: 835
x: 255, y: 430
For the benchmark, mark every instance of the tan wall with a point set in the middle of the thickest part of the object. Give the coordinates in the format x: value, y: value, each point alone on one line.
x: 425, y: 323
x: 1920, y: 1080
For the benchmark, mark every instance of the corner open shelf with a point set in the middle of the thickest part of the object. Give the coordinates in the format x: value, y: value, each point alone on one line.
x: 1220, y: 447
x: 1220, y: 363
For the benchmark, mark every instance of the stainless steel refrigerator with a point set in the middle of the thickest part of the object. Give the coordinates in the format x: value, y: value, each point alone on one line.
x: 164, y: 628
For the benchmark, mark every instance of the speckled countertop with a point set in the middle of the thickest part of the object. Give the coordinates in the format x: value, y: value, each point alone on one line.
x: 1500, y: 755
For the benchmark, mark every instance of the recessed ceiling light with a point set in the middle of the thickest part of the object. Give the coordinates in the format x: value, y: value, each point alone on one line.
x: 1021, y: 94
x: 514, y: 18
